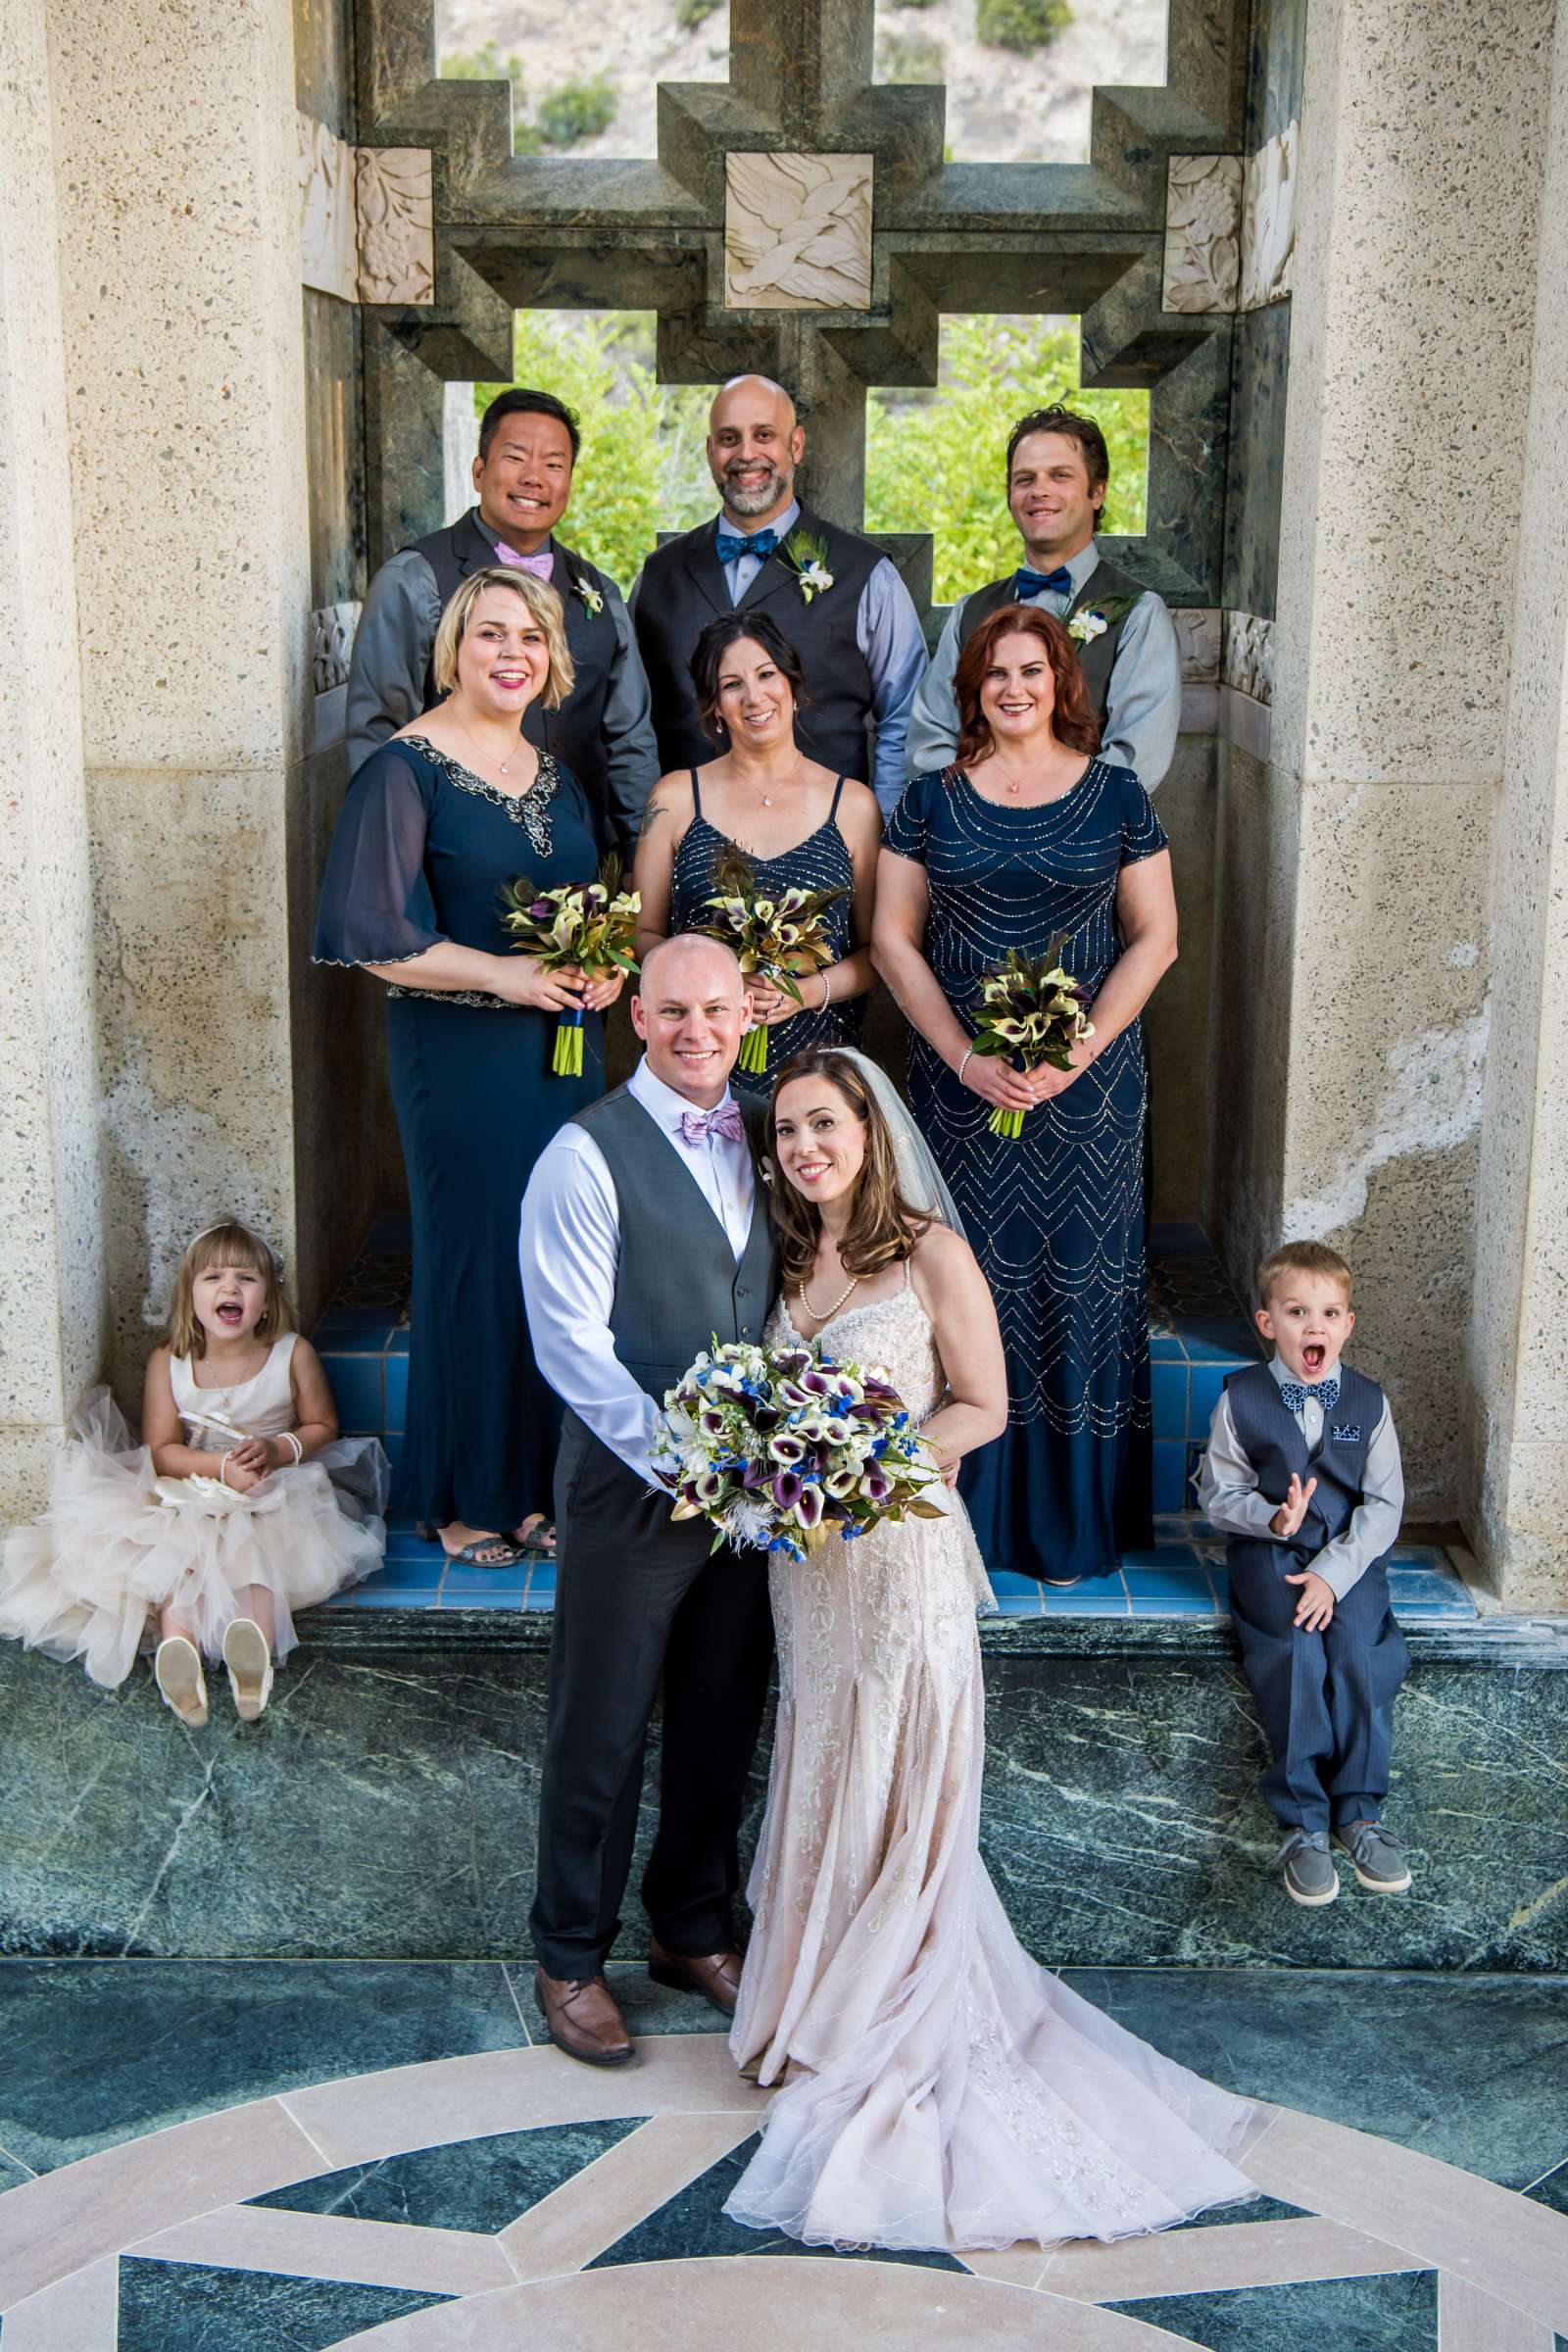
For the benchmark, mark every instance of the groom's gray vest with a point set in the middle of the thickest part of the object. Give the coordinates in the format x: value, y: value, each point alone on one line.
x: 678, y: 1287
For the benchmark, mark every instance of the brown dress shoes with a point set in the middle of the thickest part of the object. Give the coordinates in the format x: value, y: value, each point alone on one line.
x: 581, y: 2017
x: 717, y: 1976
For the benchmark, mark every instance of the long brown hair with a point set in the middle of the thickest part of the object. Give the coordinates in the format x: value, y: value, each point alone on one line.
x: 1072, y: 721
x: 225, y: 1243
x: 883, y: 1227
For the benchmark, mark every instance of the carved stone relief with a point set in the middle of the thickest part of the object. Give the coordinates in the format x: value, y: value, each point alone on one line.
x: 1268, y: 219
x: 332, y: 628
x: 1197, y: 642
x: 394, y: 211
x: 1249, y: 663
x: 326, y: 210
x: 1202, y: 232
x: 798, y: 232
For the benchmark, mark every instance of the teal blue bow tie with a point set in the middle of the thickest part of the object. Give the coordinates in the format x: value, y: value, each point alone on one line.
x: 732, y: 545
x: 1027, y: 584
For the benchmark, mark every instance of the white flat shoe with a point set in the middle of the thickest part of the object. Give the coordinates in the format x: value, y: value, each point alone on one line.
x: 250, y: 1667
x: 177, y: 1672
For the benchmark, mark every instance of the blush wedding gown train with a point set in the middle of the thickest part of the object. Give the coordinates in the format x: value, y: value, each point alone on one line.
x: 941, y: 2089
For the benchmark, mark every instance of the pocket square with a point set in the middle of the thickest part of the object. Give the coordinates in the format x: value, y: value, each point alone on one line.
x: 1346, y: 1432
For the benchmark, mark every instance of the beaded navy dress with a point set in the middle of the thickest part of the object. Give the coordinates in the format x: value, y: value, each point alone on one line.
x: 822, y: 861
x: 422, y: 849
x: 1056, y: 1217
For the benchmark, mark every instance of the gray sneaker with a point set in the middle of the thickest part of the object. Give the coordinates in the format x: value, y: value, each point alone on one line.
x: 1310, y: 1878
x: 1377, y: 1859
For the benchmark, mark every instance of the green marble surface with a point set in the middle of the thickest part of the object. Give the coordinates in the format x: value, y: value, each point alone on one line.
x: 189, y: 2307
x: 469, y: 2184
x: 1399, y: 2314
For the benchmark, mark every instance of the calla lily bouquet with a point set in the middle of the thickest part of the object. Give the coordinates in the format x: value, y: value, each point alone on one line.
x: 778, y: 937
x: 592, y: 925
x: 1032, y: 1010
x: 780, y: 1448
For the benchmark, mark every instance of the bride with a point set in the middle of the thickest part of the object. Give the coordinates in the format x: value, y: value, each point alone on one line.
x: 942, y: 2090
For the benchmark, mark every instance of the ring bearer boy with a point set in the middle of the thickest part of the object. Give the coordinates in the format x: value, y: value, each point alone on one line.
x: 1302, y: 1474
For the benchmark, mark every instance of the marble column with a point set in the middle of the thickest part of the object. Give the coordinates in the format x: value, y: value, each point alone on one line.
x: 1355, y: 863
x: 1516, y: 1515
x: 52, y: 1249
x: 175, y: 176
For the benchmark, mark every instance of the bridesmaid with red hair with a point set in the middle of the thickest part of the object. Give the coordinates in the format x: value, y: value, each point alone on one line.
x: 1030, y: 837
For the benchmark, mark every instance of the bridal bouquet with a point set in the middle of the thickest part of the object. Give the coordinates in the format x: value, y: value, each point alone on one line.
x: 778, y: 1447
x: 1032, y: 1010
x: 590, y: 924
x: 780, y: 938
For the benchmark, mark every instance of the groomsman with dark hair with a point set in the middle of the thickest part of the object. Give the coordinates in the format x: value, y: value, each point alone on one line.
x: 528, y: 445
x: 840, y: 602
x: 1058, y: 471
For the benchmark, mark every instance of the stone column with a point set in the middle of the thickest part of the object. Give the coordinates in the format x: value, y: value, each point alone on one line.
x: 1357, y: 863
x: 174, y: 178
x: 1517, y: 1516
x: 52, y: 1243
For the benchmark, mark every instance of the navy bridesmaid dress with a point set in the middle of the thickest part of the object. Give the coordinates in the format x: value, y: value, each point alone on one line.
x: 422, y: 849
x: 822, y: 861
x: 1056, y: 1217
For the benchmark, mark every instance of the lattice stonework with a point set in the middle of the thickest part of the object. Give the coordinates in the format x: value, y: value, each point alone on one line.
x: 800, y: 220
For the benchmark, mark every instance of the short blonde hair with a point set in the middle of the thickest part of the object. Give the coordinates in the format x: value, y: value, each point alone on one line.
x: 229, y: 1242
x: 1304, y: 1257
x: 542, y: 601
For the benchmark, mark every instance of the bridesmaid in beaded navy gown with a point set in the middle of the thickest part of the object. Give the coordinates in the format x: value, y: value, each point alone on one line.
x: 756, y: 796
x: 1028, y: 837
x: 435, y: 822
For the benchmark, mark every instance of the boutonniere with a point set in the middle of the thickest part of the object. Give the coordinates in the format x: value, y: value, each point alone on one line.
x: 1095, y: 620
x: 590, y: 595
x: 806, y: 554
x: 1346, y: 1432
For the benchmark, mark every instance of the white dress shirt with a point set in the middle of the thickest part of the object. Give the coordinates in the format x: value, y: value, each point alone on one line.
x: 570, y: 1249
x: 1228, y: 1496
x: 1143, y: 700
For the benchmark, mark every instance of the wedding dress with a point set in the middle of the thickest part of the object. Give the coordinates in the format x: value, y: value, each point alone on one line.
x: 941, y: 2089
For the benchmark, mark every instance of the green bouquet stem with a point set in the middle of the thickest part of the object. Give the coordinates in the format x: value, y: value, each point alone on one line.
x: 1009, y: 1123
x: 566, y: 1060
x: 754, y: 1050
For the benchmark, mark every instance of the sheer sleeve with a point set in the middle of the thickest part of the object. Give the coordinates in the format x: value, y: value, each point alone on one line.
x: 905, y: 829
x: 1142, y: 833
x: 375, y: 902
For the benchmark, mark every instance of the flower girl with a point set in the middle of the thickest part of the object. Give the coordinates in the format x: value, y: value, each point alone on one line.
x: 243, y: 1504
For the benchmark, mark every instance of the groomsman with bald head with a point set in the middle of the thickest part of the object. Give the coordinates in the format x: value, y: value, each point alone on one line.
x: 840, y: 602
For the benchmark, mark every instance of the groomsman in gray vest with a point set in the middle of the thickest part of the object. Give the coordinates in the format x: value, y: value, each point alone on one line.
x: 1058, y: 471
x: 856, y: 632
x: 645, y: 1235
x: 528, y: 445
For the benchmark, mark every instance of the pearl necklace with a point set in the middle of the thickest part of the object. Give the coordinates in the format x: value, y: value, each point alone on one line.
x: 841, y: 1301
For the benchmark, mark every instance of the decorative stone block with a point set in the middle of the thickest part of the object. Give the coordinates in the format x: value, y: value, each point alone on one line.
x: 394, y: 215
x: 327, y: 260
x: 1197, y: 642
x: 332, y: 628
x: 1249, y: 661
x: 1202, y: 232
x: 798, y: 232
x: 1268, y: 219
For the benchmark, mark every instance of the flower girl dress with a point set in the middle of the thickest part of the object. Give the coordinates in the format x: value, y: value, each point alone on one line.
x: 117, y: 1543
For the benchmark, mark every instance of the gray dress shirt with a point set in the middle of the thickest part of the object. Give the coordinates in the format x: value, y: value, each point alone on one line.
x: 1142, y: 707
x: 1228, y: 1496
x: 891, y: 643
x: 392, y: 654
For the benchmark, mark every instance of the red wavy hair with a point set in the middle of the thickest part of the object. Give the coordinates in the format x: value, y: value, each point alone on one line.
x: 1072, y: 721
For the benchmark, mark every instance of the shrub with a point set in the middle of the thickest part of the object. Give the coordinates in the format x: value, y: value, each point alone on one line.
x: 909, y: 56
x: 1023, y: 25
x: 576, y: 110
x: 691, y: 13
x: 935, y: 460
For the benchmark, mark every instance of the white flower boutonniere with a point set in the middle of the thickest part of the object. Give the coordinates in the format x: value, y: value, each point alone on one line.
x: 590, y: 595
x: 806, y: 554
x: 1085, y: 627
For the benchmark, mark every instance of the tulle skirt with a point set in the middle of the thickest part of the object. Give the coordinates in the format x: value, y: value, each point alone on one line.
x: 117, y: 1543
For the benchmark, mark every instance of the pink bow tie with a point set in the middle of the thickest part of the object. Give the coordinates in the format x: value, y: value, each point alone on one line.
x: 696, y: 1126
x: 541, y: 565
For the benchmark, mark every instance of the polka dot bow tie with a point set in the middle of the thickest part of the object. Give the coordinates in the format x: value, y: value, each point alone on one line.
x: 1293, y: 1396
x: 696, y: 1126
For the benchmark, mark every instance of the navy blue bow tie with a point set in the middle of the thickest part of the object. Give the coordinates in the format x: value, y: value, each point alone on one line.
x: 1027, y: 584
x: 731, y: 544
x: 1293, y: 1396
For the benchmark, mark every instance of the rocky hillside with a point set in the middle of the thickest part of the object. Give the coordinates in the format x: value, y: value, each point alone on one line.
x: 1002, y: 106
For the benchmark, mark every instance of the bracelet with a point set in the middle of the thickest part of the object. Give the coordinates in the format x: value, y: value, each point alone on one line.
x: 827, y: 991
x: 290, y: 1439
x: 222, y: 1471
x: 965, y: 1063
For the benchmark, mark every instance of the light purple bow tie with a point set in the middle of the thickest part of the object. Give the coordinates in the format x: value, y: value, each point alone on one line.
x: 696, y: 1126
x: 541, y: 565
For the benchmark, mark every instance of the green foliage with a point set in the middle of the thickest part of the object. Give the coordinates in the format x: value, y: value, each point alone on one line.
x: 1022, y: 24
x: 936, y: 460
x: 642, y: 468
x: 691, y: 13
x: 576, y: 110
x: 909, y: 56
x: 484, y: 64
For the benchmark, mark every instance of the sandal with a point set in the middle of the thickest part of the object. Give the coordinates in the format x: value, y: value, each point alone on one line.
x: 501, y: 1550
x: 538, y: 1541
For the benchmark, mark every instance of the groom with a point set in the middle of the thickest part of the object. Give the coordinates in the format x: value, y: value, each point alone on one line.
x: 645, y: 1237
